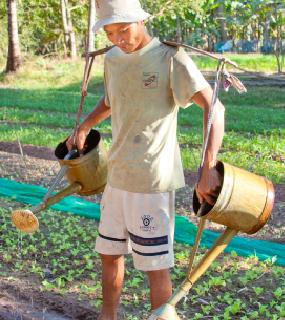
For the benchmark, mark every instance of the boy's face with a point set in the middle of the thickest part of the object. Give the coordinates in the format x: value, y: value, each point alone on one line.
x: 127, y: 36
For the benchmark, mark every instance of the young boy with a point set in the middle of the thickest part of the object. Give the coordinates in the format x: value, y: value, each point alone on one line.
x: 146, y: 82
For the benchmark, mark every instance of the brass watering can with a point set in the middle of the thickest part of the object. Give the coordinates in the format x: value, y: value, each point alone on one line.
x: 86, y: 174
x: 244, y: 204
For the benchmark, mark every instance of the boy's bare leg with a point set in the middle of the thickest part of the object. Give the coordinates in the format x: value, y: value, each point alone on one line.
x: 112, y: 281
x: 160, y: 287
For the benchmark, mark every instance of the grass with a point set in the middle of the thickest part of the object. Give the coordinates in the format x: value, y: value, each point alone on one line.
x: 27, y: 117
x: 251, y: 62
x: 40, y: 73
x: 34, y: 135
x: 64, y: 262
x: 42, y: 100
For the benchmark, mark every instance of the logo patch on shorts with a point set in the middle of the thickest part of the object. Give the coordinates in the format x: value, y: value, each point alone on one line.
x: 150, y: 80
x: 147, y: 223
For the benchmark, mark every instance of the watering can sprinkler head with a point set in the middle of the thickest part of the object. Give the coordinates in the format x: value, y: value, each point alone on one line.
x: 25, y: 220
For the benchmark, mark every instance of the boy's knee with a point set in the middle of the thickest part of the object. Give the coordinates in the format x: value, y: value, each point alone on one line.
x: 158, y: 274
x: 110, y: 258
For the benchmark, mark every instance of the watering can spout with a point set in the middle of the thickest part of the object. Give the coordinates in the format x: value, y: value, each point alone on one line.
x: 167, y: 311
x: 26, y: 220
x: 75, y: 187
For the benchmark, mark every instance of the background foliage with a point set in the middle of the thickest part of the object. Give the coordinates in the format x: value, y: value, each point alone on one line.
x: 200, y: 22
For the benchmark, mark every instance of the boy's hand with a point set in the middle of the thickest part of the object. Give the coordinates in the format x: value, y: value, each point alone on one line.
x: 209, y: 186
x: 79, y: 140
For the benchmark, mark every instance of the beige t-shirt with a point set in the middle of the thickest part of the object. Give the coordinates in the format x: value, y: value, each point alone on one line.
x: 144, y: 90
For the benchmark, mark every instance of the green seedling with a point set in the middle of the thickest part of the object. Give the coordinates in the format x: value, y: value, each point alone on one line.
x: 281, y: 309
x: 278, y: 293
x: 262, y: 309
x: 258, y: 290
x: 216, y: 282
x: 47, y: 285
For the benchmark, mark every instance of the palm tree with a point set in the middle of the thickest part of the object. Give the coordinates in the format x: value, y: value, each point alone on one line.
x: 14, y: 60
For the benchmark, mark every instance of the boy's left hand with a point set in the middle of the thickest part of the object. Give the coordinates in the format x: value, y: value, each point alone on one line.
x: 209, y: 185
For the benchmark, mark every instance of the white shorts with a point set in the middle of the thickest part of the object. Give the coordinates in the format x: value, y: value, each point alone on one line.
x: 138, y: 223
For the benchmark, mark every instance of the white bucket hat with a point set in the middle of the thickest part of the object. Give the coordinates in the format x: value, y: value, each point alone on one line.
x: 118, y: 11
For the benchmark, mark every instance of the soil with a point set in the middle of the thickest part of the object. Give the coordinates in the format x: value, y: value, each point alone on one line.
x: 20, y: 297
x: 22, y: 300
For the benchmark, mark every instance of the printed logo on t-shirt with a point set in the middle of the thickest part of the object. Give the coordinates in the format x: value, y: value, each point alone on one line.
x: 150, y: 80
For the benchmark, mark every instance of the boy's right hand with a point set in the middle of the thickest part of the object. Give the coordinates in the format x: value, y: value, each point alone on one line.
x: 79, y: 140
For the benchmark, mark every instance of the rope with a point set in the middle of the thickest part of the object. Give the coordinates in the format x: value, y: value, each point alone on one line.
x: 220, y: 67
x: 89, y: 59
x: 202, y: 222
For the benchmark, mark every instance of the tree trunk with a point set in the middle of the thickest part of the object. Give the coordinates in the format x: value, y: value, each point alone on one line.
x: 65, y: 28
x: 14, y: 60
x: 69, y: 35
x: 266, y: 29
x: 91, y: 21
x: 221, y: 20
x: 178, y: 30
x: 209, y: 43
x: 73, y: 51
x: 278, y: 42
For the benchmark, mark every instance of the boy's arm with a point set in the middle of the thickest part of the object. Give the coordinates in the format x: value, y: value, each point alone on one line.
x: 99, y: 113
x: 210, y: 181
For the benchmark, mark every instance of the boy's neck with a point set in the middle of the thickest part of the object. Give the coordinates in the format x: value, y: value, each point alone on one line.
x: 145, y: 41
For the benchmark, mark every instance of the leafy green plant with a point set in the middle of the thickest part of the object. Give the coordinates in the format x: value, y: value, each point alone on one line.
x: 258, y: 290
x: 278, y: 293
x: 281, y: 309
x: 217, y: 282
